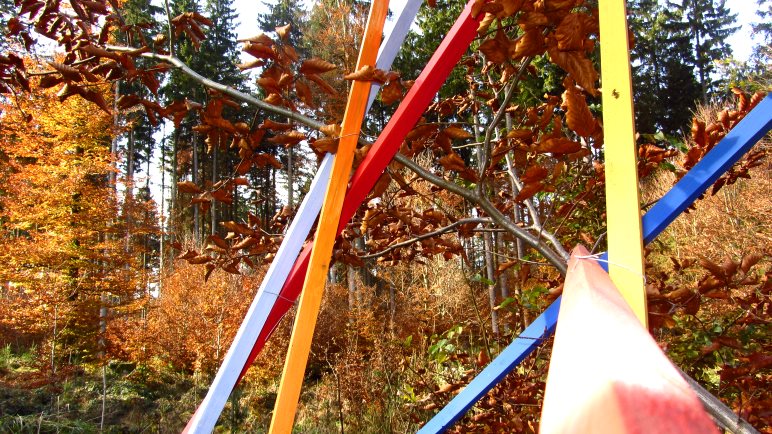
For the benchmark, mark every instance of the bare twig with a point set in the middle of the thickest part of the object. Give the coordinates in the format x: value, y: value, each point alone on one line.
x: 558, y: 259
x: 431, y: 234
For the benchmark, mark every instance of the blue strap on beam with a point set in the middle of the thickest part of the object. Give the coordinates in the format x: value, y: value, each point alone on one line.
x: 727, y: 152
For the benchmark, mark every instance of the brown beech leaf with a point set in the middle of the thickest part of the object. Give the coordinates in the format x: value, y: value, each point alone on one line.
x: 529, y: 190
x: 322, y: 84
x: 303, y: 92
x: 219, y: 242
x: 531, y: 19
x: 188, y: 187
x: 714, y: 268
x: 457, y: 133
x: 245, y: 243
x: 273, y: 99
x: 238, y: 228
x: 748, y: 261
x: 283, y: 31
x: 315, y: 66
x: 453, y: 161
x: 496, y: 49
x: 531, y: 43
x: 365, y: 73
x: 570, y: 33
x: 269, y: 84
x: 331, y: 130
x: 259, y: 50
x: 578, y: 114
x: 276, y: 126
x: 578, y: 65
x: 511, y: 7
x: 520, y: 134
x: 68, y: 72
x: 288, y: 139
x: 391, y: 92
x: 325, y: 144
x: 262, y: 160
x: 559, y: 145
x: 506, y: 266
x: 534, y: 174
x: 251, y: 64
x: 187, y: 255
x: 200, y: 259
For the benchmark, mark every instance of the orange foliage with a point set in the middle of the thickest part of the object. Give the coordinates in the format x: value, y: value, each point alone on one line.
x: 62, y: 250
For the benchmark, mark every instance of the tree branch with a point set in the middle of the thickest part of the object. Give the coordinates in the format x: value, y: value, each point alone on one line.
x: 558, y: 259
x: 432, y: 234
x: 227, y: 90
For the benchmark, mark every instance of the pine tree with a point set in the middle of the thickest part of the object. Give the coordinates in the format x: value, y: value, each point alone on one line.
x: 709, y: 23
x: 664, y: 84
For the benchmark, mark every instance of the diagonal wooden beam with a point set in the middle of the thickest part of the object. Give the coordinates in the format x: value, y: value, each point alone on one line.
x: 235, y: 360
x: 607, y: 374
x: 321, y: 255
x: 383, y: 150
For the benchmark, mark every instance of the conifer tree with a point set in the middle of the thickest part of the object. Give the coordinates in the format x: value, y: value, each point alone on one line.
x: 665, y: 86
x: 709, y: 23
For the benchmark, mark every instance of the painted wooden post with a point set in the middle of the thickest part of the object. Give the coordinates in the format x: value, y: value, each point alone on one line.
x: 607, y: 374
x: 727, y: 152
x: 623, y: 215
x: 453, y: 46
x: 311, y: 299
x: 236, y: 359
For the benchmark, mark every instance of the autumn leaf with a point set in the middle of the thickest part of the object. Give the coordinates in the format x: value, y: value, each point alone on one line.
x: 391, y: 92
x: 571, y: 33
x: 331, y: 130
x: 529, y: 190
x: 322, y: 84
x: 496, y: 49
x: 520, y: 134
x: 531, y: 43
x: 559, y: 145
x: 188, y: 187
x: 315, y: 66
x: 365, y: 73
x: 325, y: 144
x: 534, y: 174
x: 288, y: 139
x: 578, y: 65
x: 283, y: 31
x: 457, y: 133
x: 276, y: 126
x: 453, y: 161
x: 578, y: 115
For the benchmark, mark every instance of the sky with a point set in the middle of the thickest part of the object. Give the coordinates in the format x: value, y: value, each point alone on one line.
x: 745, y: 9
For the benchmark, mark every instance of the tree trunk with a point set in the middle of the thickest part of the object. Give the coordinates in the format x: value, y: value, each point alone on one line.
x: 491, y: 276
x: 196, y: 213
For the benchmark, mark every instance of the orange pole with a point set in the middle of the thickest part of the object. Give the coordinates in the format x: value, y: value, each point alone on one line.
x: 316, y: 276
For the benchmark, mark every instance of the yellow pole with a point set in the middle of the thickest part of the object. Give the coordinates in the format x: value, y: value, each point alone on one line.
x: 316, y: 276
x: 623, y: 215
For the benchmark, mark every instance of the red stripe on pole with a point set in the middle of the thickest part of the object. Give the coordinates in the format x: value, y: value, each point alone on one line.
x: 407, y: 115
x: 607, y: 374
